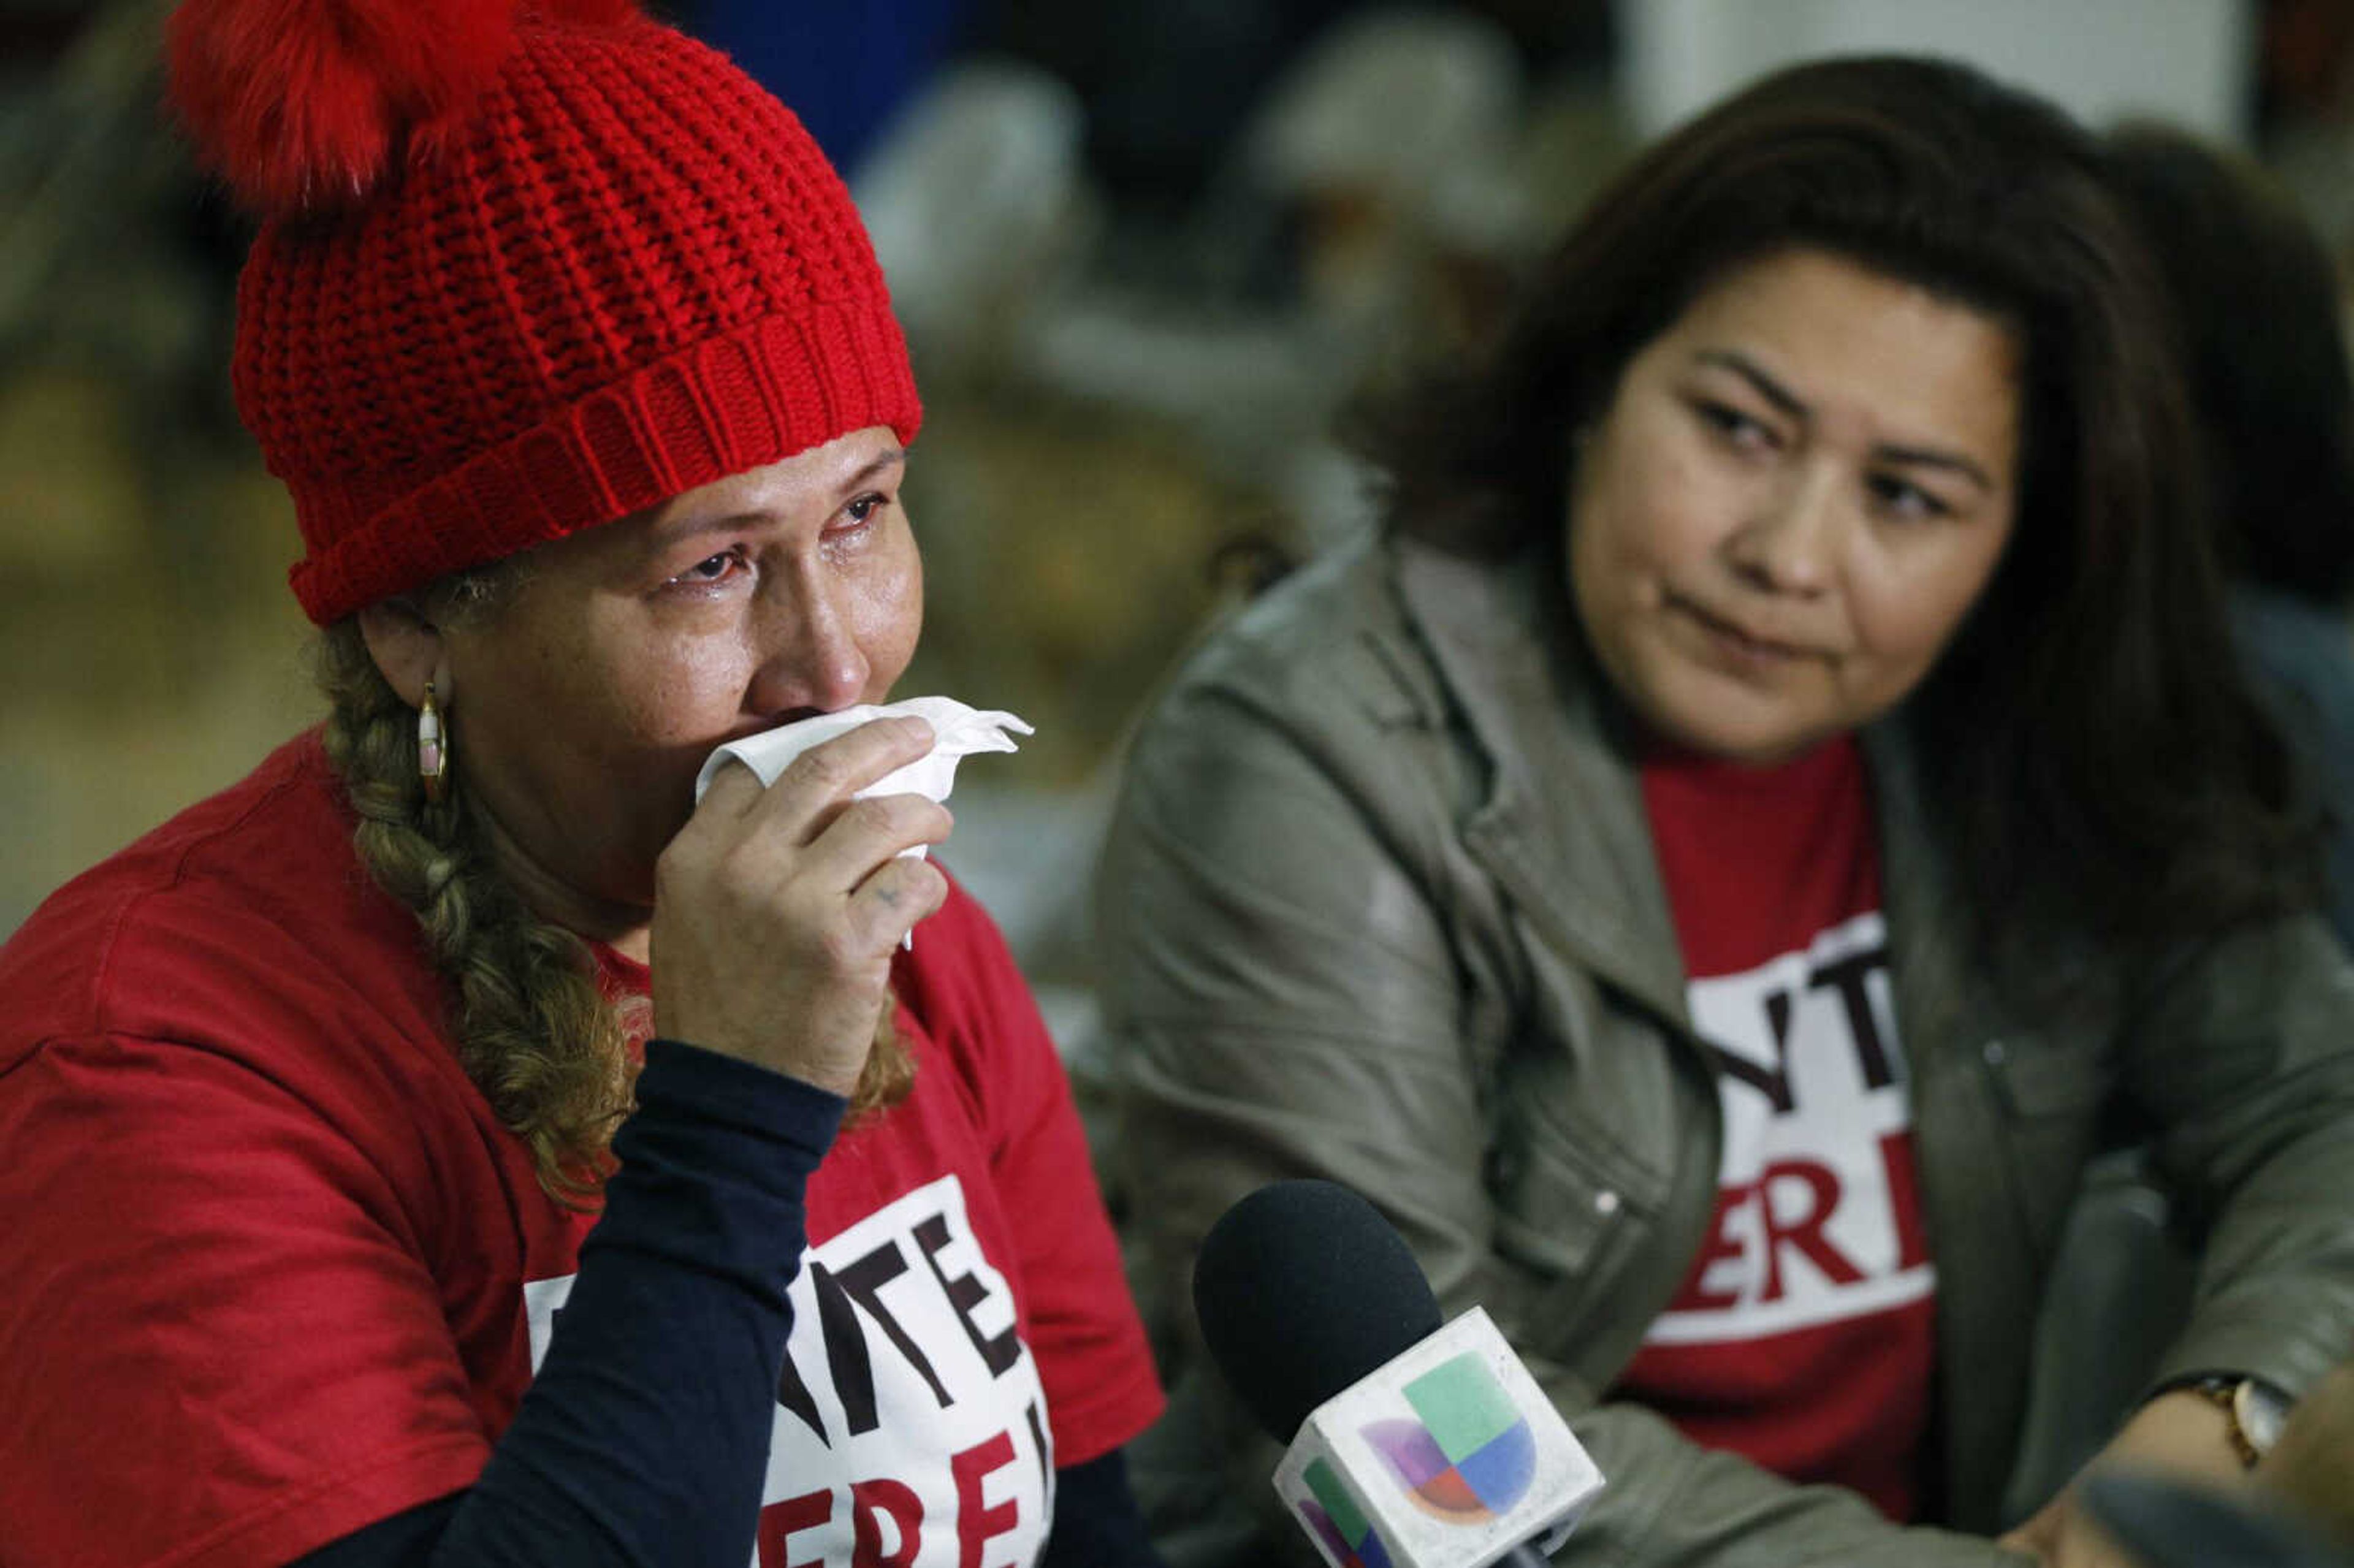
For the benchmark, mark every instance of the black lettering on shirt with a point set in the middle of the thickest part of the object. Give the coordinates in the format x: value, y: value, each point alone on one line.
x: 964, y: 1293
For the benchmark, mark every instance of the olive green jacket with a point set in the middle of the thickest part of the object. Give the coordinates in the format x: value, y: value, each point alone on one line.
x: 1380, y: 906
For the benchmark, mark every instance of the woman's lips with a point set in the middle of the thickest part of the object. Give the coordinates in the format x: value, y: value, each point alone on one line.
x: 1737, y: 641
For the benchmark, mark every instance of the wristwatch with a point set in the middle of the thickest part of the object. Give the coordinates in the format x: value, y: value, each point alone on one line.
x: 2255, y: 1412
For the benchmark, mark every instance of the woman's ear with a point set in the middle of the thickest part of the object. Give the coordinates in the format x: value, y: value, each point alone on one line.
x: 408, y: 650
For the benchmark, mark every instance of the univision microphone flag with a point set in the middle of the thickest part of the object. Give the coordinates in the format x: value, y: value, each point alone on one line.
x: 1447, y: 1457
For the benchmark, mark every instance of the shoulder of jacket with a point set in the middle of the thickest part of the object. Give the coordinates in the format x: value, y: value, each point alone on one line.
x: 1334, y: 638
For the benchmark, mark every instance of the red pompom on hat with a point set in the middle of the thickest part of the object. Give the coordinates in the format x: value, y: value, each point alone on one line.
x: 523, y: 269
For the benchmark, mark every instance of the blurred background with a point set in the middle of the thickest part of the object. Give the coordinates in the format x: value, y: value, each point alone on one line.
x: 1144, y: 251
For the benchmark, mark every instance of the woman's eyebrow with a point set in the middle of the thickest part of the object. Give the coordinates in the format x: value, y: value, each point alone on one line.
x: 880, y: 463
x: 1929, y: 456
x: 1749, y: 370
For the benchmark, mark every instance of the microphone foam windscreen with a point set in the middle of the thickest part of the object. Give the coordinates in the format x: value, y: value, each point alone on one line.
x: 1302, y: 1288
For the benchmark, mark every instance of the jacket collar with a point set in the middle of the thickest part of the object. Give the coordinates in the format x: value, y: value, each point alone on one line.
x: 1930, y: 967
x: 1564, y: 828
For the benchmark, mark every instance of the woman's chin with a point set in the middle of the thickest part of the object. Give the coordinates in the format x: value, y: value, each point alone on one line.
x: 1747, y: 739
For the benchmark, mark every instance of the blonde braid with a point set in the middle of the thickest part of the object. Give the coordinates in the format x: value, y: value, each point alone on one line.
x: 536, y: 1032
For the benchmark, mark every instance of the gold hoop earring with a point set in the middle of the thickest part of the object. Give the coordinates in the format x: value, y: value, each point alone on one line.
x: 432, y: 749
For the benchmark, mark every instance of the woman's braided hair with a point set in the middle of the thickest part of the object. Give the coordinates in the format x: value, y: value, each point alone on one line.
x: 536, y: 1032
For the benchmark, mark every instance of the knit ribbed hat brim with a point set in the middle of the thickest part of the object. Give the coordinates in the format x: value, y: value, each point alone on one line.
x: 755, y: 396
x: 526, y: 267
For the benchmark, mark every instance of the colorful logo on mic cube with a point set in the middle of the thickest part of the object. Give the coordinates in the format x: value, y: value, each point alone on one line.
x: 1448, y: 1454
x: 1334, y: 1518
x: 1471, y: 1455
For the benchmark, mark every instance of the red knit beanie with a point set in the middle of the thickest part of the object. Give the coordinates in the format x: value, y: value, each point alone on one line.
x: 523, y: 269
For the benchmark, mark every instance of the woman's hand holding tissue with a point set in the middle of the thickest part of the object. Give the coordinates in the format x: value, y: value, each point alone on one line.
x: 777, y: 910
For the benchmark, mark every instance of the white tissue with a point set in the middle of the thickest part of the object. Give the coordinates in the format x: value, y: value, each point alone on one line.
x: 958, y: 732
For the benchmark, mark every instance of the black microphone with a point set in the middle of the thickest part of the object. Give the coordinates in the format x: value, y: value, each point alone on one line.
x: 2168, y: 1524
x: 1305, y: 1294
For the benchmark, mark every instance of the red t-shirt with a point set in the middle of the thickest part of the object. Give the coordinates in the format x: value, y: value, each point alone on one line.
x: 274, y: 1271
x: 1804, y: 1335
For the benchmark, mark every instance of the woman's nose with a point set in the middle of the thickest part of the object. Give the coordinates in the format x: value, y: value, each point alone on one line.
x: 809, y: 656
x: 1787, y: 545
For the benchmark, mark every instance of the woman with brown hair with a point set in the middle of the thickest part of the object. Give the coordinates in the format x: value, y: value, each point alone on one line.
x: 1774, y: 797
x: 453, y: 1144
